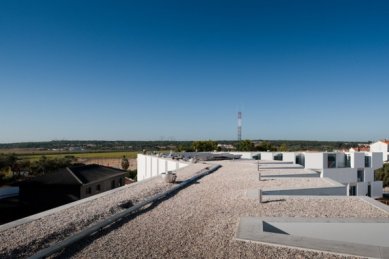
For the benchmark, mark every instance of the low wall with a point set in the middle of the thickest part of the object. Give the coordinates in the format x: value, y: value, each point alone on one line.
x: 245, y: 155
x: 150, y: 166
x: 342, y: 175
x: 320, y: 191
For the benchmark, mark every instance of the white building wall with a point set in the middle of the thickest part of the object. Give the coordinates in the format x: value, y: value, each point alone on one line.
x: 172, y: 165
x: 342, y: 175
x: 162, y: 166
x: 362, y: 188
x: 154, y: 166
x: 376, y: 160
x: 314, y: 160
x: 267, y: 156
x: 141, y: 166
x: 376, y: 189
x: 357, y: 160
x: 369, y: 175
x: 380, y: 146
x: 289, y: 157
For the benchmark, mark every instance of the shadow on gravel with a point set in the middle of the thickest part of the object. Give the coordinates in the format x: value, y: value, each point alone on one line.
x: 178, y: 182
x: 73, y: 249
x: 268, y: 201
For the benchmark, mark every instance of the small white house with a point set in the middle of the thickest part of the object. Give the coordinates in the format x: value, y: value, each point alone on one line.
x: 381, y: 146
x: 355, y: 169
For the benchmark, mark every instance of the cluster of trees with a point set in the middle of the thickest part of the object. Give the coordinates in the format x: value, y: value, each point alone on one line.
x: 201, y: 146
x: 248, y: 145
x: 13, y: 168
x: 382, y: 174
x: 244, y: 145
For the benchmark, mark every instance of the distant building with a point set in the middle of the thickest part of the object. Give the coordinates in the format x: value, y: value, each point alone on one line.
x: 381, y: 146
x: 226, y: 147
x: 69, y: 184
x: 360, y: 148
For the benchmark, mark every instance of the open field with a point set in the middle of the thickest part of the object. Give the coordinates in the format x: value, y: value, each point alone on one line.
x: 85, y: 155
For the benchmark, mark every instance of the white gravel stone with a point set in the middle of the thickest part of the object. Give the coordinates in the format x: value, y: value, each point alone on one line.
x: 197, y: 222
x: 28, y: 238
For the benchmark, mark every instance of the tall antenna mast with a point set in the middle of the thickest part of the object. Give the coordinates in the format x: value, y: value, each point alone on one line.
x: 239, y: 126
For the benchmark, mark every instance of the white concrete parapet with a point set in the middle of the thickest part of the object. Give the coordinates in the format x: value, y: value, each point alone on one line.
x: 151, y: 166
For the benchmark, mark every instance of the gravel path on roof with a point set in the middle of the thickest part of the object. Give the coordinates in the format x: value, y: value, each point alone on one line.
x: 28, y: 238
x: 200, y: 222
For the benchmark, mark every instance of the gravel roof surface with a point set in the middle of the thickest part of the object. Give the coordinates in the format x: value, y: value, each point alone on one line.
x: 200, y: 221
x: 28, y: 238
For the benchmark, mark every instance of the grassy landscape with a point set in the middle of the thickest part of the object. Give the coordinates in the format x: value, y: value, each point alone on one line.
x: 90, y: 155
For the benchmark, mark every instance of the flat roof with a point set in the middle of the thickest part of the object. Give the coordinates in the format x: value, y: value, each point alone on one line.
x: 198, y: 221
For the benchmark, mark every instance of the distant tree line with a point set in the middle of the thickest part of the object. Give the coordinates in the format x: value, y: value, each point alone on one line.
x: 13, y: 168
x: 94, y: 145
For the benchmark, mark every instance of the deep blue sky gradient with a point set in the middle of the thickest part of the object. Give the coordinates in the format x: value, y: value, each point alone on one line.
x: 150, y: 70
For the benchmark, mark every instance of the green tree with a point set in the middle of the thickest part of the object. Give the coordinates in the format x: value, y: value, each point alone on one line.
x: 265, y: 146
x: 283, y: 147
x: 382, y: 174
x: 45, y: 165
x: 245, y: 145
x: 201, y: 146
x: 125, y: 164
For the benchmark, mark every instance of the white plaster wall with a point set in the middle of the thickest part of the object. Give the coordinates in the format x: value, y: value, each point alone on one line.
x: 289, y: 157
x: 172, y: 165
x: 357, y: 160
x: 342, y: 175
x: 368, y: 175
x: 154, y: 166
x: 314, y: 160
x: 141, y: 166
x: 150, y: 166
x: 267, y: 156
x: 362, y: 188
x: 162, y: 166
x: 380, y: 147
x: 376, y: 160
x: 376, y: 189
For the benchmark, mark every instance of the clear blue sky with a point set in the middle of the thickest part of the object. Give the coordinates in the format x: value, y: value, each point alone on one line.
x: 150, y: 70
